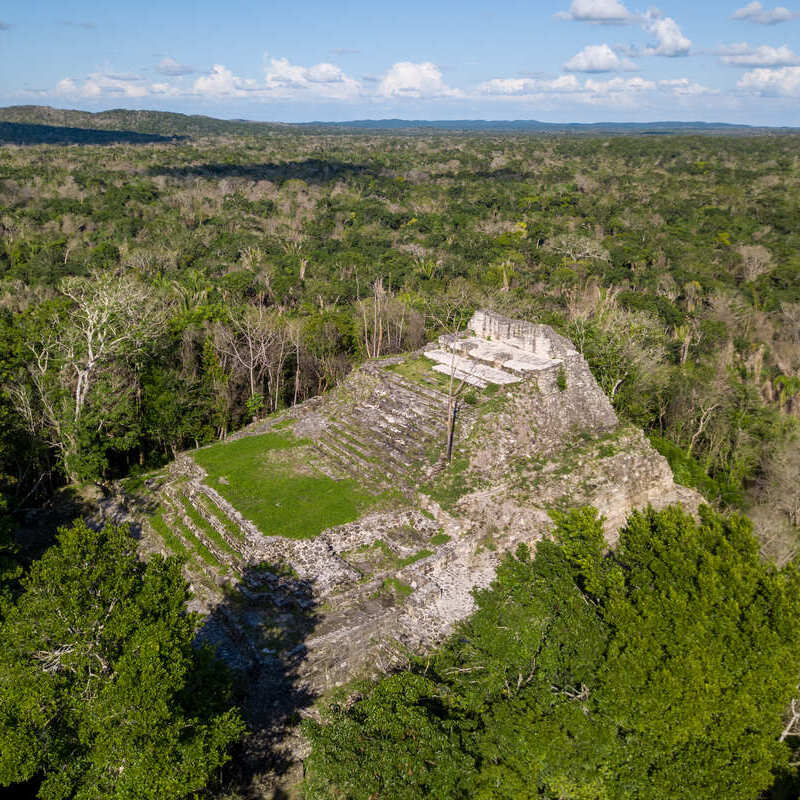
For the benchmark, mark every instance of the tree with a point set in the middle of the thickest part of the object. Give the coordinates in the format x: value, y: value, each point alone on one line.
x: 101, y: 692
x: 661, y: 669
x: 625, y: 349
x: 703, y: 657
x: 104, y: 324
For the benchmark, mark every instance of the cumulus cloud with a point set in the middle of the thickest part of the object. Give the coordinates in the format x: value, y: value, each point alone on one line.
x: 324, y: 80
x: 615, y: 85
x: 517, y: 87
x: 66, y: 86
x: 283, y: 80
x: 755, y: 12
x: 683, y: 87
x: 783, y: 82
x: 598, y: 11
x: 221, y: 82
x: 669, y: 39
x: 165, y: 90
x: 169, y: 66
x: 620, y: 92
x: 416, y: 80
x: 99, y: 84
x: 598, y: 58
x: 764, y: 56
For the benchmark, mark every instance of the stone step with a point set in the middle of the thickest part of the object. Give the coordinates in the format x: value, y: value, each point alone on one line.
x: 374, y: 448
x: 182, y: 514
x: 170, y: 517
x: 460, y: 375
x: 400, y: 444
x: 413, y: 393
x: 345, y: 466
x: 356, y: 464
x: 430, y: 393
x: 410, y: 415
x: 249, y: 530
x: 200, y: 502
x: 499, y: 354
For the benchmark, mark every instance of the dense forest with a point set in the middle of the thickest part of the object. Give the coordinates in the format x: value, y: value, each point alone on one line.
x: 158, y: 295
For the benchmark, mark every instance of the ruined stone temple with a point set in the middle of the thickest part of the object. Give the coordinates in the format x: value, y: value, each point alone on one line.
x: 534, y: 432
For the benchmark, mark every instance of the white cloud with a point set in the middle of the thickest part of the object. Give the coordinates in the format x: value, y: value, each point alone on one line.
x: 284, y: 79
x: 670, y: 41
x: 603, y: 11
x: 98, y: 84
x: 620, y: 92
x: 165, y: 90
x: 517, y: 87
x: 598, y: 58
x: 616, y: 85
x: 775, y: 82
x: 66, y: 86
x: 423, y: 80
x: 764, y: 56
x: 169, y: 66
x: 683, y: 87
x: 755, y: 12
x: 221, y: 82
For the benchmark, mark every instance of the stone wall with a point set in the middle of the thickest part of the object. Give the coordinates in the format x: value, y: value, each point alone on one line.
x: 541, y: 340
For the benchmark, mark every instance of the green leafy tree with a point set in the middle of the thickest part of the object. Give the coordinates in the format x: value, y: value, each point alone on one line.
x: 660, y: 669
x: 101, y: 692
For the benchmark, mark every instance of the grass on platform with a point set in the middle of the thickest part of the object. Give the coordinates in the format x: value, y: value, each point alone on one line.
x: 264, y: 477
x: 173, y: 543
x: 215, y: 511
x: 205, y: 526
x: 420, y: 370
x: 186, y: 545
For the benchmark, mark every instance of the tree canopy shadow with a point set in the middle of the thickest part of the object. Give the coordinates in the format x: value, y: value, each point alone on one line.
x: 313, y: 170
x: 259, y: 631
x: 24, y: 133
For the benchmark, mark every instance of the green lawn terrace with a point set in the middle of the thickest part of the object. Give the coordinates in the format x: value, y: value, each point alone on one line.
x: 325, y: 490
x: 275, y: 482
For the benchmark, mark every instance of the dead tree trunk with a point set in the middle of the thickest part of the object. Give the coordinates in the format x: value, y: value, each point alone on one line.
x: 452, y: 411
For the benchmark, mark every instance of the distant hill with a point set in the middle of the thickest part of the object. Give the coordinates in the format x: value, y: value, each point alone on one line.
x: 28, y: 133
x: 169, y: 124
x: 534, y: 126
x: 162, y: 123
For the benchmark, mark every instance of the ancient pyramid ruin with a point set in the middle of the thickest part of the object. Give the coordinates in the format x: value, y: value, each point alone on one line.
x: 533, y: 432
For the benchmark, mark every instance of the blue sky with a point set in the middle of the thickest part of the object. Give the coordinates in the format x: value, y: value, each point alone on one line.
x: 573, y: 60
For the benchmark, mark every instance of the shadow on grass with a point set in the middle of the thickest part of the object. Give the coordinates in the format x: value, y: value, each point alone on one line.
x: 24, y: 133
x: 313, y: 170
x: 259, y: 631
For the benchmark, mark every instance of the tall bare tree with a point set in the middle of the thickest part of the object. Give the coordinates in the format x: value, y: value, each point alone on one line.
x: 107, y: 325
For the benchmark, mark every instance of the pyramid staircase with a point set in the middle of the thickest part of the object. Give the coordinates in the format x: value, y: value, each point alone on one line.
x: 392, y: 435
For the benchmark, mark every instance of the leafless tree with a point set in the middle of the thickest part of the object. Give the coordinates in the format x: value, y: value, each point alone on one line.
x: 387, y: 324
x: 256, y: 342
x: 108, y: 324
